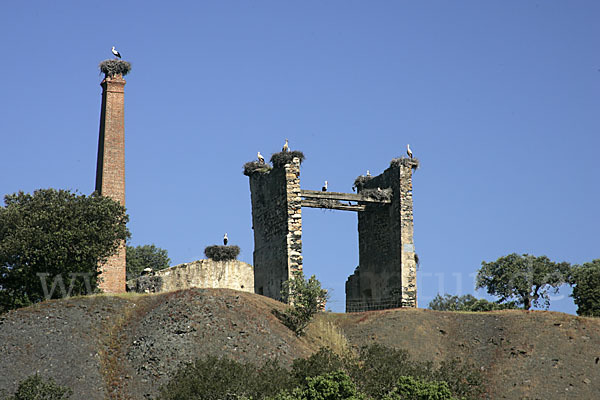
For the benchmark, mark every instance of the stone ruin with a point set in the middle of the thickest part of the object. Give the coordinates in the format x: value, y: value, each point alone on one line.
x: 386, y: 275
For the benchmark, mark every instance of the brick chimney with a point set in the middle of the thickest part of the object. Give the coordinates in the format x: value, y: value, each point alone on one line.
x: 110, y: 170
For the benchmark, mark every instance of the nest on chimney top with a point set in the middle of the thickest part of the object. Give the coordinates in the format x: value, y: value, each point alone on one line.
x: 113, y: 67
x: 285, y: 157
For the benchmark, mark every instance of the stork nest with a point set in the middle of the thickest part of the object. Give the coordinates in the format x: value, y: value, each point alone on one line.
x: 359, y: 182
x: 222, y: 253
x: 412, y: 163
x: 113, y: 67
x: 378, y: 194
x: 255, y: 167
x: 285, y: 157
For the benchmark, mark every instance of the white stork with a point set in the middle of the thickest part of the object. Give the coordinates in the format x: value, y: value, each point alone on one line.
x: 261, y: 159
x: 115, y: 52
x: 408, y: 150
x: 225, y: 239
x: 324, y: 188
x: 285, y: 147
x: 368, y: 173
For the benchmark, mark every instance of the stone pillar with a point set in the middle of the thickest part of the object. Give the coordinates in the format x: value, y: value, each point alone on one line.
x: 386, y: 275
x: 110, y: 171
x: 277, y: 225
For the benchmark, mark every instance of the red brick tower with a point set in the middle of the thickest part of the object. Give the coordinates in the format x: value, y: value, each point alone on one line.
x: 110, y: 171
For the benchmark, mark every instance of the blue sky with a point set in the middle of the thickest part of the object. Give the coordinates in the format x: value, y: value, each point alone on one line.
x: 499, y: 100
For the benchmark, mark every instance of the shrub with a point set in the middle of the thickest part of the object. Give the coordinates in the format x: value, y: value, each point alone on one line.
x: 222, y: 253
x: 146, y: 256
x: 285, y: 157
x: 36, y: 388
x: 220, y: 378
x: 468, y: 303
x: 409, y: 388
x: 254, y: 167
x: 114, y: 67
x: 306, y: 298
x: 331, y: 386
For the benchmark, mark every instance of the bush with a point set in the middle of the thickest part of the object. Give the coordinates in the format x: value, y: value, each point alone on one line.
x: 306, y: 298
x: 586, y: 288
x: 220, y: 378
x: 285, y: 157
x: 146, y: 256
x: 409, y: 388
x: 36, y: 388
x: 468, y: 303
x: 222, y: 253
x: 331, y: 386
x: 254, y: 167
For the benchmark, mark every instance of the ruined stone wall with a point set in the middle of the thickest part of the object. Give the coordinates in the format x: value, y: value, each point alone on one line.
x: 386, y: 276
x: 201, y: 274
x: 277, y: 225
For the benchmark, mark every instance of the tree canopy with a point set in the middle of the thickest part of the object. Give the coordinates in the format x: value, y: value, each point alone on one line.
x: 586, y: 288
x: 51, y: 242
x: 467, y: 302
x: 526, y: 279
x: 146, y: 256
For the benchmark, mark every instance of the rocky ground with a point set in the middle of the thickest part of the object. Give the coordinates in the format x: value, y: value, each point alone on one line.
x: 127, y: 346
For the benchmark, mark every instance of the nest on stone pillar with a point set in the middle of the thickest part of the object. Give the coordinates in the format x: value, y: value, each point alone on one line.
x: 412, y: 163
x: 359, y: 182
x: 285, y: 157
x: 222, y: 253
x: 113, y: 67
x: 255, y: 167
x: 378, y: 194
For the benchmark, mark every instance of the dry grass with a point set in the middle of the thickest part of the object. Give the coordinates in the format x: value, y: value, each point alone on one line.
x: 326, y: 333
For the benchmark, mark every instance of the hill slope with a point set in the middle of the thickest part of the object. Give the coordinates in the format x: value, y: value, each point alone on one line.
x: 126, y: 346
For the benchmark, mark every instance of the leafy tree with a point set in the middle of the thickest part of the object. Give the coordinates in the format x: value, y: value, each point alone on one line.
x: 36, y: 388
x: 526, y: 279
x: 467, y: 302
x: 586, y: 288
x: 409, y: 388
x: 146, y: 256
x: 306, y: 298
x: 51, y: 243
x: 331, y: 386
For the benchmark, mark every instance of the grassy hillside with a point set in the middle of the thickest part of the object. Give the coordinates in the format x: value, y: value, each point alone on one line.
x: 127, y: 346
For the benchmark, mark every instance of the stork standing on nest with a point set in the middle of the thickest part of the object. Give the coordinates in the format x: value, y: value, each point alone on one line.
x: 324, y: 188
x: 286, y: 148
x: 261, y: 159
x: 115, y: 52
x: 368, y: 173
x: 225, y: 239
x: 408, y: 150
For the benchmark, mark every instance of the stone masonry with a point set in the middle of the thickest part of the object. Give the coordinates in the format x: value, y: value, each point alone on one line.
x: 386, y: 276
x: 277, y: 225
x: 110, y: 171
x: 232, y: 274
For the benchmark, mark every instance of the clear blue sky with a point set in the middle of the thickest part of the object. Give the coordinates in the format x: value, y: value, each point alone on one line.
x: 500, y: 100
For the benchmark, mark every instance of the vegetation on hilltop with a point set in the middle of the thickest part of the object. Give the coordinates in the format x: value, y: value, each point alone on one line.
x: 146, y: 256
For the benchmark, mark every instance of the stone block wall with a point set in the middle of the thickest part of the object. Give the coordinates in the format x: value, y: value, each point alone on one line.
x: 200, y: 274
x: 277, y: 225
x: 386, y: 275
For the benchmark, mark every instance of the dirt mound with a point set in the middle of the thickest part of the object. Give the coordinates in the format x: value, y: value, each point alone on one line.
x: 127, y: 346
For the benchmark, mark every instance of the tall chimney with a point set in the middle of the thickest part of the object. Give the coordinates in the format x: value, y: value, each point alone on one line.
x: 110, y: 170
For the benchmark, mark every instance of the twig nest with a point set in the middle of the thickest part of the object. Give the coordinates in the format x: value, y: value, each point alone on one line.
x: 115, y: 67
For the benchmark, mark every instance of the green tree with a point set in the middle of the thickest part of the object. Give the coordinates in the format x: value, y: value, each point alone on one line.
x: 586, y: 288
x: 36, y: 388
x: 467, y: 302
x: 526, y: 279
x: 335, y: 385
x: 306, y: 298
x: 409, y: 388
x: 51, y: 243
x: 146, y: 256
